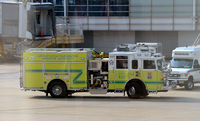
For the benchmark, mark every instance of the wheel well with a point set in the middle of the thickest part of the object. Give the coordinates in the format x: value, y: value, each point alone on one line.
x: 190, y: 78
x: 55, y: 80
x: 141, y: 83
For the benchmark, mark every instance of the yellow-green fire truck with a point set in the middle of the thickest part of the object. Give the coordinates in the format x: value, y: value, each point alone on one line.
x: 133, y: 68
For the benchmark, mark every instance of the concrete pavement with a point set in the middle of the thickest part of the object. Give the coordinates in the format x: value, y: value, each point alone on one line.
x: 17, y: 105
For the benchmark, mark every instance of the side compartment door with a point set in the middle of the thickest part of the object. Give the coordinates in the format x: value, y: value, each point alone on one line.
x: 33, y: 75
x: 56, y: 71
x: 78, y: 75
x: 134, y: 69
x: 121, y: 72
x: 149, y: 74
x: 160, y: 74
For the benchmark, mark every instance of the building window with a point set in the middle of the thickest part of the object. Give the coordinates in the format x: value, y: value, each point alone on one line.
x: 119, y: 7
x: 77, y: 2
x: 97, y: 2
x: 59, y: 7
x: 149, y: 64
x: 183, y: 8
x: 97, y: 11
x: 59, y: 2
x: 162, y: 8
x: 77, y: 10
x: 122, y: 62
x: 77, y: 7
x: 98, y: 7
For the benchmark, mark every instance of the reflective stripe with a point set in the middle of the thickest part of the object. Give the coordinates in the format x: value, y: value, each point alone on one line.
x: 75, y: 80
x: 146, y: 82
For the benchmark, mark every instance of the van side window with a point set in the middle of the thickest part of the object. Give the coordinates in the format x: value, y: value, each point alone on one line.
x: 134, y: 64
x: 196, y: 64
x: 149, y: 64
x: 122, y: 62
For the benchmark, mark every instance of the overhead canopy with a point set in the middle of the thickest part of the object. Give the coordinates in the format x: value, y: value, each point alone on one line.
x: 43, y: 6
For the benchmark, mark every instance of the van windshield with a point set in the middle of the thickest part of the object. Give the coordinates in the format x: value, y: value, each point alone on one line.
x: 181, y: 63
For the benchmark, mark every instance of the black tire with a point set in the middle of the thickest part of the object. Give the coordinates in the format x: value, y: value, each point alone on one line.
x: 134, y: 90
x: 189, y: 85
x: 58, y: 90
x: 181, y: 85
x: 174, y: 86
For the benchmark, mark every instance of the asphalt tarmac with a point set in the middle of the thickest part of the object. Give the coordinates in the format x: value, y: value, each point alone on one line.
x: 18, y: 105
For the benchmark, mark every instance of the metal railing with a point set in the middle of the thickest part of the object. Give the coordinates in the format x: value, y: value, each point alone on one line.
x: 69, y: 29
x: 174, y: 11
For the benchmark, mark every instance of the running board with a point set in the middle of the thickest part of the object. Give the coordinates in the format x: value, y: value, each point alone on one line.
x: 98, y: 91
x: 153, y: 91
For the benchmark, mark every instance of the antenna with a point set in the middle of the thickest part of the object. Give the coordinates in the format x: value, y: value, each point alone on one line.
x: 196, y: 41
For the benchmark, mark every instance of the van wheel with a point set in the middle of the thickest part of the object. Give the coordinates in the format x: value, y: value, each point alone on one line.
x: 189, y: 85
x: 174, y: 86
x: 58, y: 90
x: 133, y: 90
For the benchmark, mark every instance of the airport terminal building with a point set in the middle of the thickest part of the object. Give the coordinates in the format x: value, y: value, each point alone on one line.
x: 107, y: 23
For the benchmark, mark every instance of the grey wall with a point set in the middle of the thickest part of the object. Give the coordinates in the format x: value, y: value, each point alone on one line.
x: 88, y: 41
x: 186, y: 38
x: 169, y: 40
x: 108, y: 40
x: 10, y: 20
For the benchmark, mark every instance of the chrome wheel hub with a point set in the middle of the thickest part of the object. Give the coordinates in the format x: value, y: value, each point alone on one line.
x: 190, y: 85
x: 57, y: 90
x: 132, y: 91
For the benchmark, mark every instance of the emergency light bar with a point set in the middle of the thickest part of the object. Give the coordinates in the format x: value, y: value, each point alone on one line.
x: 149, y: 44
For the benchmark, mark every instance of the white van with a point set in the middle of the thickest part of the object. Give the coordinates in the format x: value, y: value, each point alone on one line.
x: 185, y: 67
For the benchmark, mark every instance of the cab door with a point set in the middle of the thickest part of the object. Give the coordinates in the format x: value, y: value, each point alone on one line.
x: 149, y: 74
x: 134, y: 69
x: 121, y: 71
x: 111, y: 71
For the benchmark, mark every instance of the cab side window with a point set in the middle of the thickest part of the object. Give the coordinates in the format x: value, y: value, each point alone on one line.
x: 122, y: 62
x: 149, y: 64
x: 159, y: 65
x: 196, y: 64
x: 134, y: 64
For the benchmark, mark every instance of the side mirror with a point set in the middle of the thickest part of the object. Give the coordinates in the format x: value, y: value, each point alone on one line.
x: 167, y: 70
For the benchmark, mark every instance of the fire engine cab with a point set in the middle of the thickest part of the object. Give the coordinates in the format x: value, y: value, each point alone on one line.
x: 136, y: 69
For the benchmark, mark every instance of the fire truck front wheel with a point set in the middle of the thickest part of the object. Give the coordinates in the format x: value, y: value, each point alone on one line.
x: 133, y: 90
x: 57, y: 89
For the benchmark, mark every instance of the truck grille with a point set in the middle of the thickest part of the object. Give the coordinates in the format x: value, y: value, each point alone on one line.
x: 174, y: 75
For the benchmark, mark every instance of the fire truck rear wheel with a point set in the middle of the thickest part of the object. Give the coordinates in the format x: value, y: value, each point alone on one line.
x: 58, y: 90
x: 133, y: 90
